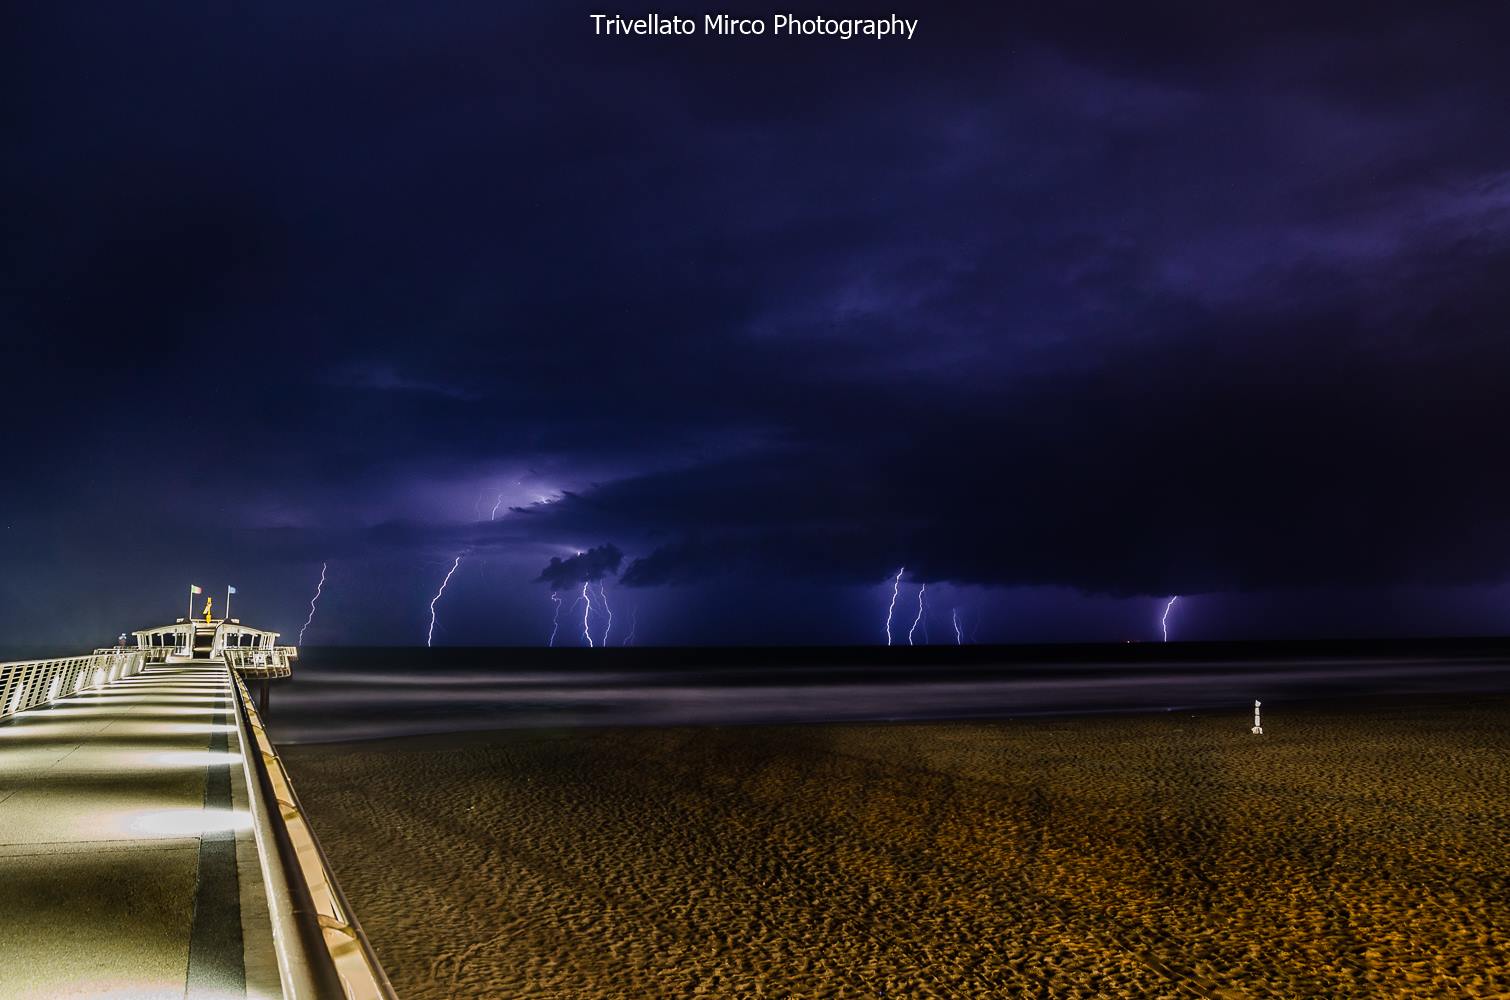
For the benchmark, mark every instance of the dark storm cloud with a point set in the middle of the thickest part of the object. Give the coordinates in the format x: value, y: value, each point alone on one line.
x: 1278, y: 451
x: 842, y: 555
x: 1129, y: 299
x: 584, y: 567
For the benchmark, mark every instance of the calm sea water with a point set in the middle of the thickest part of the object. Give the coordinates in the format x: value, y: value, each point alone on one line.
x: 361, y: 694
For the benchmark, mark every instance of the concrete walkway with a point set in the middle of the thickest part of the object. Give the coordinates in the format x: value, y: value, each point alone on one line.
x: 127, y: 863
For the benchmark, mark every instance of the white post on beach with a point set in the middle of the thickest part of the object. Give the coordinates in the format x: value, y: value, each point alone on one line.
x: 1258, y: 727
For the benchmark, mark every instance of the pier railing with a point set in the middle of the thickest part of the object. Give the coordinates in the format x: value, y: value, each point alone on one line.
x: 272, y: 661
x: 28, y: 684
x: 322, y: 952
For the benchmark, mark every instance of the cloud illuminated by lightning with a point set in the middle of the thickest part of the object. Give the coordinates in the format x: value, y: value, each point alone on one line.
x: 1165, y: 620
x: 896, y: 585
x: 318, y: 587
x: 919, y: 618
x: 555, y: 621
x: 430, y: 636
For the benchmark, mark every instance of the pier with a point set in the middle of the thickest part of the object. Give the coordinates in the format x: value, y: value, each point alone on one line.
x: 151, y: 843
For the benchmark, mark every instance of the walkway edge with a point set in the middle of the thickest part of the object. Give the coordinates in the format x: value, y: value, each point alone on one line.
x: 321, y: 950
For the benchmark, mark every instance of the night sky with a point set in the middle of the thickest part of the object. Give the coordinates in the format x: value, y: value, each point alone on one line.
x: 1065, y: 308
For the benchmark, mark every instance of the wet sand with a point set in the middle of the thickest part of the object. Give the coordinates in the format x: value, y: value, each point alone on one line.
x: 1345, y: 853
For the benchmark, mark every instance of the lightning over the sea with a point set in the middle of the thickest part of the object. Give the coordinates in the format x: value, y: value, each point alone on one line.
x: 1165, y: 620
x: 556, y: 620
x: 921, y: 590
x: 494, y: 516
x: 586, y: 613
x: 896, y: 584
x: 430, y: 636
x: 634, y: 624
x: 603, y: 596
x: 578, y: 573
x: 959, y: 635
x: 312, y: 602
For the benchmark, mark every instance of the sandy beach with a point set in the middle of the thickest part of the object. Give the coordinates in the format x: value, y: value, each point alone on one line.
x: 1358, y: 852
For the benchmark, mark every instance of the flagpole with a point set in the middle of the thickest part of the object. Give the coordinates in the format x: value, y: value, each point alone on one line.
x: 228, y: 602
x: 191, y: 603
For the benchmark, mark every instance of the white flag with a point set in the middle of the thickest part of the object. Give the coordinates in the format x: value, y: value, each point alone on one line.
x: 230, y: 590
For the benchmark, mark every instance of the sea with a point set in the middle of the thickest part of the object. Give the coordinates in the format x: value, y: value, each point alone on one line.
x: 340, y: 694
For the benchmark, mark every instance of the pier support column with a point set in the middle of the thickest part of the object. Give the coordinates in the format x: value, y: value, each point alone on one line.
x: 266, y: 685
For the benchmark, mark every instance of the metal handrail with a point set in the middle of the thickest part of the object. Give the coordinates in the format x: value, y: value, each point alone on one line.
x: 26, y: 684
x: 321, y: 950
x: 261, y: 661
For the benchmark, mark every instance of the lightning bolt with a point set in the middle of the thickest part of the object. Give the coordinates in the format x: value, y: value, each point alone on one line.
x: 430, y: 636
x: 634, y: 624
x: 586, y: 613
x: 896, y: 585
x: 556, y: 621
x: 1165, y: 620
x: 959, y: 635
x: 494, y: 516
x: 603, y: 596
x: 318, y: 587
x: 919, y: 618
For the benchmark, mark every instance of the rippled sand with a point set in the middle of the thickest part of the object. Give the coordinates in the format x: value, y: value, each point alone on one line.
x: 1339, y: 855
